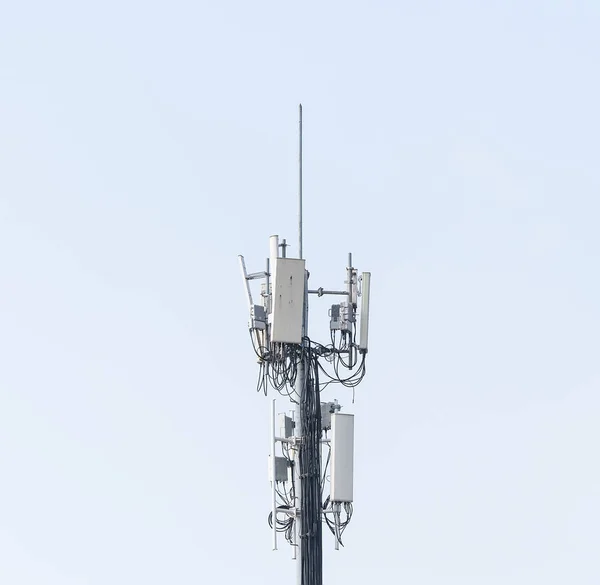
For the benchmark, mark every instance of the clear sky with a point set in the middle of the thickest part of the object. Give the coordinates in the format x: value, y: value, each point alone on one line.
x: 451, y: 146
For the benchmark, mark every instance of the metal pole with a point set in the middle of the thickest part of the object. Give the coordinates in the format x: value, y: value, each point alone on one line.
x: 302, y: 387
x: 273, y: 476
x: 297, y: 482
x: 299, y: 428
x: 300, y: 183
x: 296, y: 545
x: 245, y: 276
x: 299, y: 431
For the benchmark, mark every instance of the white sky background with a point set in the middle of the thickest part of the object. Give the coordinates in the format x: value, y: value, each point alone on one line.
x: 451, y: 146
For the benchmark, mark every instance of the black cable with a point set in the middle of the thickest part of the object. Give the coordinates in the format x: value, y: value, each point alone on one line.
x: 310, y: 471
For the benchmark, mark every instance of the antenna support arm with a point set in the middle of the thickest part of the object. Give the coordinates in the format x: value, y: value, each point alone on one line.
x: 320, y: 292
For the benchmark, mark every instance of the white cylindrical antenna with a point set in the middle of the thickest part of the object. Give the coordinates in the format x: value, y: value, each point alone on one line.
x: 267, y: 298
x: 273, y: 250
x: 273, y: 476
x: 350, y: 285
x: 273, y: 255
x: 300, y: 182
x: 364, y: 312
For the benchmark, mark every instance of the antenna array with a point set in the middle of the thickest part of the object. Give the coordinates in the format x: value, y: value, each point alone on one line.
x: 300, y: 369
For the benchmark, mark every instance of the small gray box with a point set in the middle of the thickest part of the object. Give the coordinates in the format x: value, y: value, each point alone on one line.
x: 286, y: 426
x: 281, y: 469
x: 325, y: 416
x: 258, y: 317
x: 335, y: 322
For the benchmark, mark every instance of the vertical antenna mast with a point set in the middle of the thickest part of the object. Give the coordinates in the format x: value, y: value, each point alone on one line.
x: 278, y: 326
x: 300, y: 182
x: 300, y: 388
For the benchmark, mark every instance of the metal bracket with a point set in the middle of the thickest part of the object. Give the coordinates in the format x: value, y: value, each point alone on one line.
x: 320, y: 292
x: 256, y: 275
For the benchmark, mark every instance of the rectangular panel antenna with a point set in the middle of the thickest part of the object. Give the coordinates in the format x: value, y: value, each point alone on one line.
x: 342, y: 457
x: 364, y: 312
x: 287, y: 300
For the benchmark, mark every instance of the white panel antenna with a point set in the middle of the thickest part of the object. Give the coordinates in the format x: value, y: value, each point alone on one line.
x: 342, y: 457
x: 364, y: 312
x: 287, y: 300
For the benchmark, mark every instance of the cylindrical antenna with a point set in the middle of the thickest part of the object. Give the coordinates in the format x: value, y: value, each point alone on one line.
x: 300, y: 182
x: 273, y: 250
x: 273, y: 255
x: 267, y: 297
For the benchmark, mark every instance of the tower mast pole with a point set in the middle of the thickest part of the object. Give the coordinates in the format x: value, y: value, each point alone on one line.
x: 309, y: 541
x: 300, y: 386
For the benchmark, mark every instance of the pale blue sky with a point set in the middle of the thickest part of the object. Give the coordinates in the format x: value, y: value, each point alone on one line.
x: 452, y: 146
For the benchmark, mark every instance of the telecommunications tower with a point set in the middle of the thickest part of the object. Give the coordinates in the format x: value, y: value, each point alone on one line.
x: 307, y: 493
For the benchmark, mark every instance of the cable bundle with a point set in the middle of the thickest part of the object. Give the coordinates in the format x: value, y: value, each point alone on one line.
x: 341, y: 526
x: 278, y: 368
x: 310, y: 472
